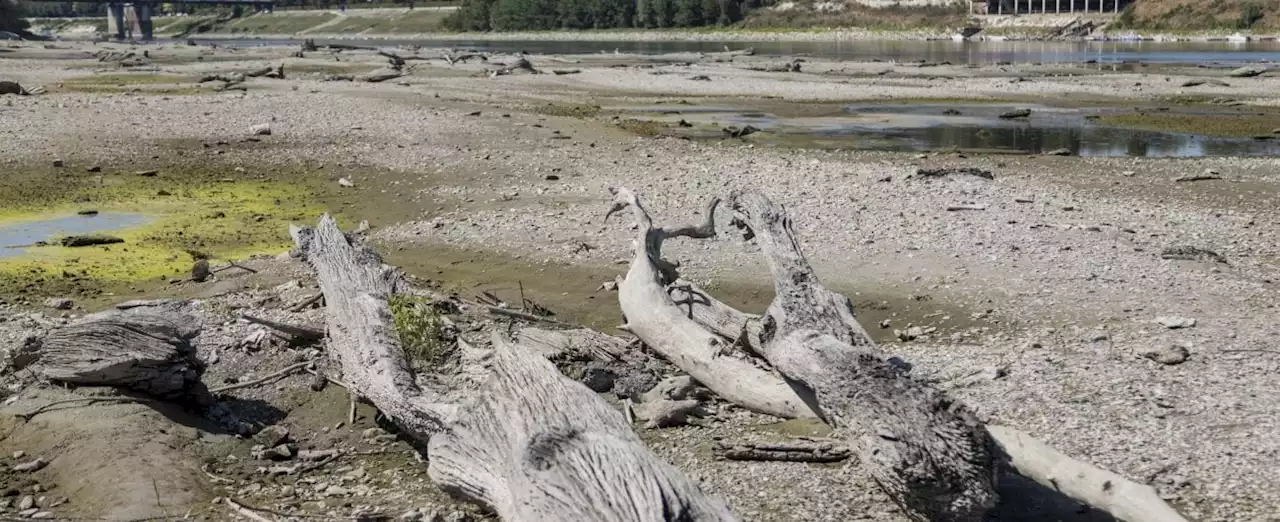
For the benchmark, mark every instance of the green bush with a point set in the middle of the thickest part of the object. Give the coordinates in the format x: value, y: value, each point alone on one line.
x: 420, y: 328
x: 1250, y: 13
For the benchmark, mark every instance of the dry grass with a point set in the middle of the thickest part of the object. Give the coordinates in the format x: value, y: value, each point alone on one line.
x: 1189, y: 15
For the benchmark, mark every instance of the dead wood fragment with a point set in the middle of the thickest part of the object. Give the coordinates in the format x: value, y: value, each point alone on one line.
x: 952, y: 171
x: 781, y: 452
x: 1197, y: 177
x: 264, y: 379
x: 301, y: 332
x: 379, y: 76
x: 89, y: 240
x: 954, y: 208
x: 1191, y: 253
x: 146, y: 349
x: 306, y: 303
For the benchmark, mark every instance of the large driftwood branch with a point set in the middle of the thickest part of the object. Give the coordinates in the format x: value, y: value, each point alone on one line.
x: 532, y: 445
x: 356, y: 286
x: 926, y: 451
x: 655, y: 319
x: 537, y: 446
x: 1078, y: 480
x: 146, y: 349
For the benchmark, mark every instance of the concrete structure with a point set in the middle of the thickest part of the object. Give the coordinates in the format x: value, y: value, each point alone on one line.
x: 130, y: 20
x: 1002, y: 7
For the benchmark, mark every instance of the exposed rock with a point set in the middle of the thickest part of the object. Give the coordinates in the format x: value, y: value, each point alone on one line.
x: 89, y: 240
x: 634, y: 384
x: 280, y: 452
x: 1174, y: 322
x: 345, y: 182
x: 1247, y: 71
x: 26, y: 503
x: 1015, y: 113
x: 262, y: 129
x: 272, y: 436
x: 1191, y: 253
x: 59, y: 303
x: 598, y: 378
x: 1170, y: 354
x: 35, y: 465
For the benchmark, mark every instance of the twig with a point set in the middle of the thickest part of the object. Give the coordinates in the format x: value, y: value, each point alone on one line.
x: 156, y: 487
x: 527, y: 317
x: 215, y: 478
x: 306, y: 302
x: 954, y: 208
x: 245, y: 512
x: 260, y: 380
x: 296, y: 331
x: 233, y: 264
x: 135, y: 400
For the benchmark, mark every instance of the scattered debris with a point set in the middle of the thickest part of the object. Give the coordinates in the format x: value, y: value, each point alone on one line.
x: 1174, y: 322
x: 954, y: 171
x: 1015, y: 113
x: 1191, y: 253
x: 1247, y: 71
x: 1208, y: 175
x: 1176, y: 353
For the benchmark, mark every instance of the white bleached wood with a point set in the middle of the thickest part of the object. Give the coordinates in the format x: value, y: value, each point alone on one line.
x: 656, y: 320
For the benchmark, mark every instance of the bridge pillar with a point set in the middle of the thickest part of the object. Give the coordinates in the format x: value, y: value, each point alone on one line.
x: 142, y: 13
x: 115, y: 21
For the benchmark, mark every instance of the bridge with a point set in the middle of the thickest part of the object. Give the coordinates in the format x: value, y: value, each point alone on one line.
x: 127, y: 19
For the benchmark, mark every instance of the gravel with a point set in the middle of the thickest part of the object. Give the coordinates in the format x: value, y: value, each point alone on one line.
x: 1066, y: 247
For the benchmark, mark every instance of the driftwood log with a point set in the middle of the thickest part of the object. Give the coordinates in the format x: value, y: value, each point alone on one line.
x: 932, y: 456
x: 531, y: 445
x: 147, y: 349
x: 654, y: 318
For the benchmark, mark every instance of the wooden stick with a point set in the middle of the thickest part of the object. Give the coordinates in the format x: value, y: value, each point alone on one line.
x: 306, y: 302
x: 303, y: 332
x: 288, y: 370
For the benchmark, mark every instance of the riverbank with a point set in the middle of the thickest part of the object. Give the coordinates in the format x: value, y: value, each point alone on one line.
x: 1045, y: 272
x: 427, y: 24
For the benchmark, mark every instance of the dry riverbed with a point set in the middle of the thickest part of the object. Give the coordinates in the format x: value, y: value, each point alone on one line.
x: 1055, y: 294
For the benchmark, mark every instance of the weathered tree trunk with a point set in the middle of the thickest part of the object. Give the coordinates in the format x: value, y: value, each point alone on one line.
x: 655, y: 319
x: 146, y: 349
x: 537, y: 446
x: 532, y: 446
x: 927, y: 451
x: 811, y: 333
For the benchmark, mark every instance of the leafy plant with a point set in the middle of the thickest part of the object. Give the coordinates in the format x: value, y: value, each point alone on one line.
x: 1250, y: 13
x: 420, y: 328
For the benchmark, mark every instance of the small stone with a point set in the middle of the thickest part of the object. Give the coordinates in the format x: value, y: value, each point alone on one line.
x: 29, y: 512
x: 281, y: 452
x: 1174, y: 322
x: 148, y: 173
x: 42, y: 515
x: 1097, y: 337
x: 94, y: 168
x: 272, y: 436
x: 371, y: 433
x: 1059, y: 152
x: 412, y: 516
x: 1170, y: 355
x: 35, y: 465
x: 336, y: 491
x: 26, y: 503
x: 345, y: 182
x: 885, y: 324
x: 59, y: 163
x: 599, y: 379
x: 552, y: 177
x: 262, y: 129
x: 19, y: 454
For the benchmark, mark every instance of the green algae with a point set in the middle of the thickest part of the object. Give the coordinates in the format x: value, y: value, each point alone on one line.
x: 204, y: 212
x: 1228, y: 126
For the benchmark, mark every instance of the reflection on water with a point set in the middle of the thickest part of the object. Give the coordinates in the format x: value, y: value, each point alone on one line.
x: 933, y: 127
x: 17, y: 235
x: 935, y: 51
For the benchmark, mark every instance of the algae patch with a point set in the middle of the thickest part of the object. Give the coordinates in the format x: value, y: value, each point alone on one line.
x: 1227, y: 126
x: 189, y: 214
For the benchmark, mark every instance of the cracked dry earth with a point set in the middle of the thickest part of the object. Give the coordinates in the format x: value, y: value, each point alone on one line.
x: 1051, y: 309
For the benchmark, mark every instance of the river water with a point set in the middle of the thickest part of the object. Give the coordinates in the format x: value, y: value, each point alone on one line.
x: 936, y: 51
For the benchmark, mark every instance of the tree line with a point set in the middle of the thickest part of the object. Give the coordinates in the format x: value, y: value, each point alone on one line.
x: 533, y: 15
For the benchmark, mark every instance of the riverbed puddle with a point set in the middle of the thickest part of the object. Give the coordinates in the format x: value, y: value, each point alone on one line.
x: 17, y: 238
x: 990, y: 128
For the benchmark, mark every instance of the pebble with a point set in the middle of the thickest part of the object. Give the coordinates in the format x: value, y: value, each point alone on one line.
x: 1174, y: 322
x: 26, y: 503
x: 262, y: 129
x: 1170, y: 354
x: 59, y: 303
x: 272, y: 436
